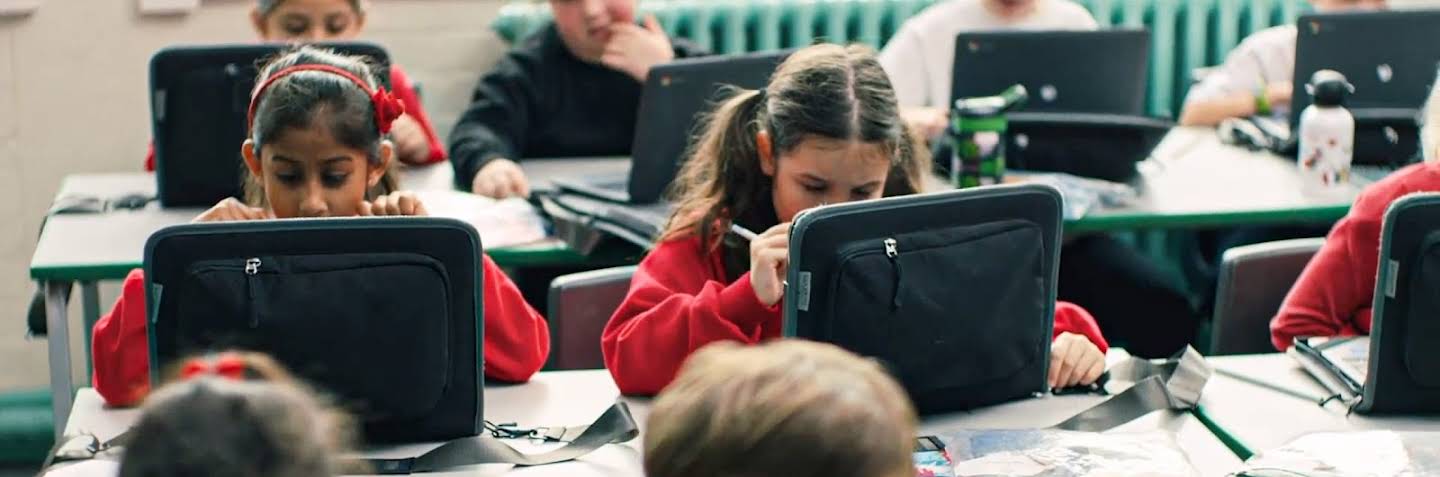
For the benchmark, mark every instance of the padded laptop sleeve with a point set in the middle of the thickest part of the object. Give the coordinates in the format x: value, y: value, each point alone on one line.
x: 199, y: 96
x: 382, y: 312
x: 954, y: 291
x: 1404, y: 374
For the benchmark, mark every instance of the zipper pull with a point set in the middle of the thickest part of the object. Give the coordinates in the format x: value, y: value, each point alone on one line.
x: 252, y: 266
x: 892, y: 250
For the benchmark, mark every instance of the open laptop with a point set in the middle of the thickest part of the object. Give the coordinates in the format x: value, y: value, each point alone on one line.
x: 674, y: 98
x: 199, y: 96
x: 1086, y: 111
x: 1391, y: 83
x: 1065, y: 71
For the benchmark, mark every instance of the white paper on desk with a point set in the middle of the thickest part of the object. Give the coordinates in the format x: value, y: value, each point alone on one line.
x: 1053, y: 453
x: 501, y: 223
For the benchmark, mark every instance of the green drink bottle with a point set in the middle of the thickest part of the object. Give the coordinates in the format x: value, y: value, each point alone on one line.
x: 977, y: 137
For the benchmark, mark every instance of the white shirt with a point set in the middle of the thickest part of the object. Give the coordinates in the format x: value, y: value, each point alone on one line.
x: 920, y: 58
x: 1266, y: 56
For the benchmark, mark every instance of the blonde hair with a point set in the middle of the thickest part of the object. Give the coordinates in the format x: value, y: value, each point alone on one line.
x: 1430, y: 125
x: 788, y: 408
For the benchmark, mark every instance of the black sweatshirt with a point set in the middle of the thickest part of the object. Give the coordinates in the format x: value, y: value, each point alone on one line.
x: 542, y: 101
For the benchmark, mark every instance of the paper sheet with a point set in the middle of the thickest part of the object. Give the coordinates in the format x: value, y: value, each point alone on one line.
x: 501, y: 223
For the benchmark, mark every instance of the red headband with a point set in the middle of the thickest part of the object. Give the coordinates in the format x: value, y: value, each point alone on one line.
x: 227, y: 365
x: 387, y: 106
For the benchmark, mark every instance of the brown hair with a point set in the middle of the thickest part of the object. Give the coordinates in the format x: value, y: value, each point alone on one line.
x: 788, y: 408
x: 303, y: 99
x: 248, y: 422
x: 266, y: 7
x: 828, y: 91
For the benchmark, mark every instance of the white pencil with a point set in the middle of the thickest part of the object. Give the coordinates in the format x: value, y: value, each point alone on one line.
x: 743, y: 232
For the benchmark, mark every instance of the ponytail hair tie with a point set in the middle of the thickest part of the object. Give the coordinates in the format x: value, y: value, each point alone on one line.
x: 387, y: 107
x: 227, y: 365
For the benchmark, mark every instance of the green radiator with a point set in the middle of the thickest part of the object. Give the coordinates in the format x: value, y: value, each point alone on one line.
x: 1186, y: 34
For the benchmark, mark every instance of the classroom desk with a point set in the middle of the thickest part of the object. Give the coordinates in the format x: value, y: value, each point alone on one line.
x: 87, y: 248
x: 1255, y: 418
x: 1192, y: 180
x: 577, y: 397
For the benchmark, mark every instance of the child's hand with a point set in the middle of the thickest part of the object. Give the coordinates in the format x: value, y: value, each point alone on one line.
x: 399, y: 203
x: 769, y: 257
x: 410, y: 141
x: 1279, y: 93
x: 501, y: 178
x: 230, y: 210
x: 1074, y: 361
x: 633, y: 50
x: 929, y: 123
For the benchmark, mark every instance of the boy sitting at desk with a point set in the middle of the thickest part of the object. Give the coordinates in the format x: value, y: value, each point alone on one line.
x: 1255, y: 79
x: 920, y: 55
x: 572, y: 89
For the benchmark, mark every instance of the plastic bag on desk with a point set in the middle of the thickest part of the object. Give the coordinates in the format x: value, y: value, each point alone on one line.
x: 1052, y: 453
x: 1352, y: 454
x: 1083, y: 194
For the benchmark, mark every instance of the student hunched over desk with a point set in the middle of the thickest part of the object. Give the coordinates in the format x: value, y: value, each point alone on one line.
x: 316, y: 150
x: 825, y: 130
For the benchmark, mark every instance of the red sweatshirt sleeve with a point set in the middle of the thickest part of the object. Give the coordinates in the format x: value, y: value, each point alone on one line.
x: 677, y: 304
x: 517, y: 339
x: 1333, y: 296
x: 150, y: 158
x: 119, y: 349
x: 401, y: 86
x: 1071, y: 318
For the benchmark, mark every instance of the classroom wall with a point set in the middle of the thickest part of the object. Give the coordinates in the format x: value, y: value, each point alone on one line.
x: 73, y: 78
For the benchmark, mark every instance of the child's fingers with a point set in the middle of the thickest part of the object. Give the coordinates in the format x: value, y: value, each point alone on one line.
x: 1097, y: 368
x: 521, y: 183
x: 1057, y: 350
x: 652, y: 24
x: 1076, y: 363
x: 408, y: 204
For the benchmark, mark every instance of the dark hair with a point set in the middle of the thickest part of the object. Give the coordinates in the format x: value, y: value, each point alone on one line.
x: 259, y: 424
x: 265, y: 7
x: 302, y: 99
x: 828, y: 91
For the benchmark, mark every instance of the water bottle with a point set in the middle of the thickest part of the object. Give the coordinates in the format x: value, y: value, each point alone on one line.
x: 1327, y: 134
x: 977, y: 137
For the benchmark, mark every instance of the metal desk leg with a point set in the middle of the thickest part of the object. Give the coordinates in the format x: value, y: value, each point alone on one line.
x: 90, y: 297
x: 62, y: 388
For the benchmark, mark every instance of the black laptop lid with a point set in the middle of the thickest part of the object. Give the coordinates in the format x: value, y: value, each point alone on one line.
x: 1065, y: 71
x: 675, y: 96
x: 1391, y: 82
x: 198, y: 99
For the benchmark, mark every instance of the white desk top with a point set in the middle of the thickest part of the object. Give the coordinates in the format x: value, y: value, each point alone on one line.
x: 1263, y: 419
x: 577, y: 397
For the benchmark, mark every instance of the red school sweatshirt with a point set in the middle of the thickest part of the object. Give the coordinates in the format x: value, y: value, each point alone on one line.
x: 404, y: 90
x: 679, y: 302
x: 517, y: 339
x: 1334, y: 294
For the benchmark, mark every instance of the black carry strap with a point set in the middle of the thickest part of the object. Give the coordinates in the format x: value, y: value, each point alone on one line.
x: 1173, y: 384
x: 616, y: 425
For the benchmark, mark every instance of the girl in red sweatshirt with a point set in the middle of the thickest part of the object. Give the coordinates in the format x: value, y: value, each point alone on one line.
x: 1334, y: 294
x: 304, y: 21
x: 317, y: 149
x: 825, y: 130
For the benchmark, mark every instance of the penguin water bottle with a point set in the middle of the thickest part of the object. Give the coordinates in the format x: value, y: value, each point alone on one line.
x: 1327, y: 134
x: 977, y: 137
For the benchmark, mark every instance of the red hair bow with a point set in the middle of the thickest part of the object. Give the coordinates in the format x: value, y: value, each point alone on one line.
x: 388, y: 108
x: 228, y: 365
